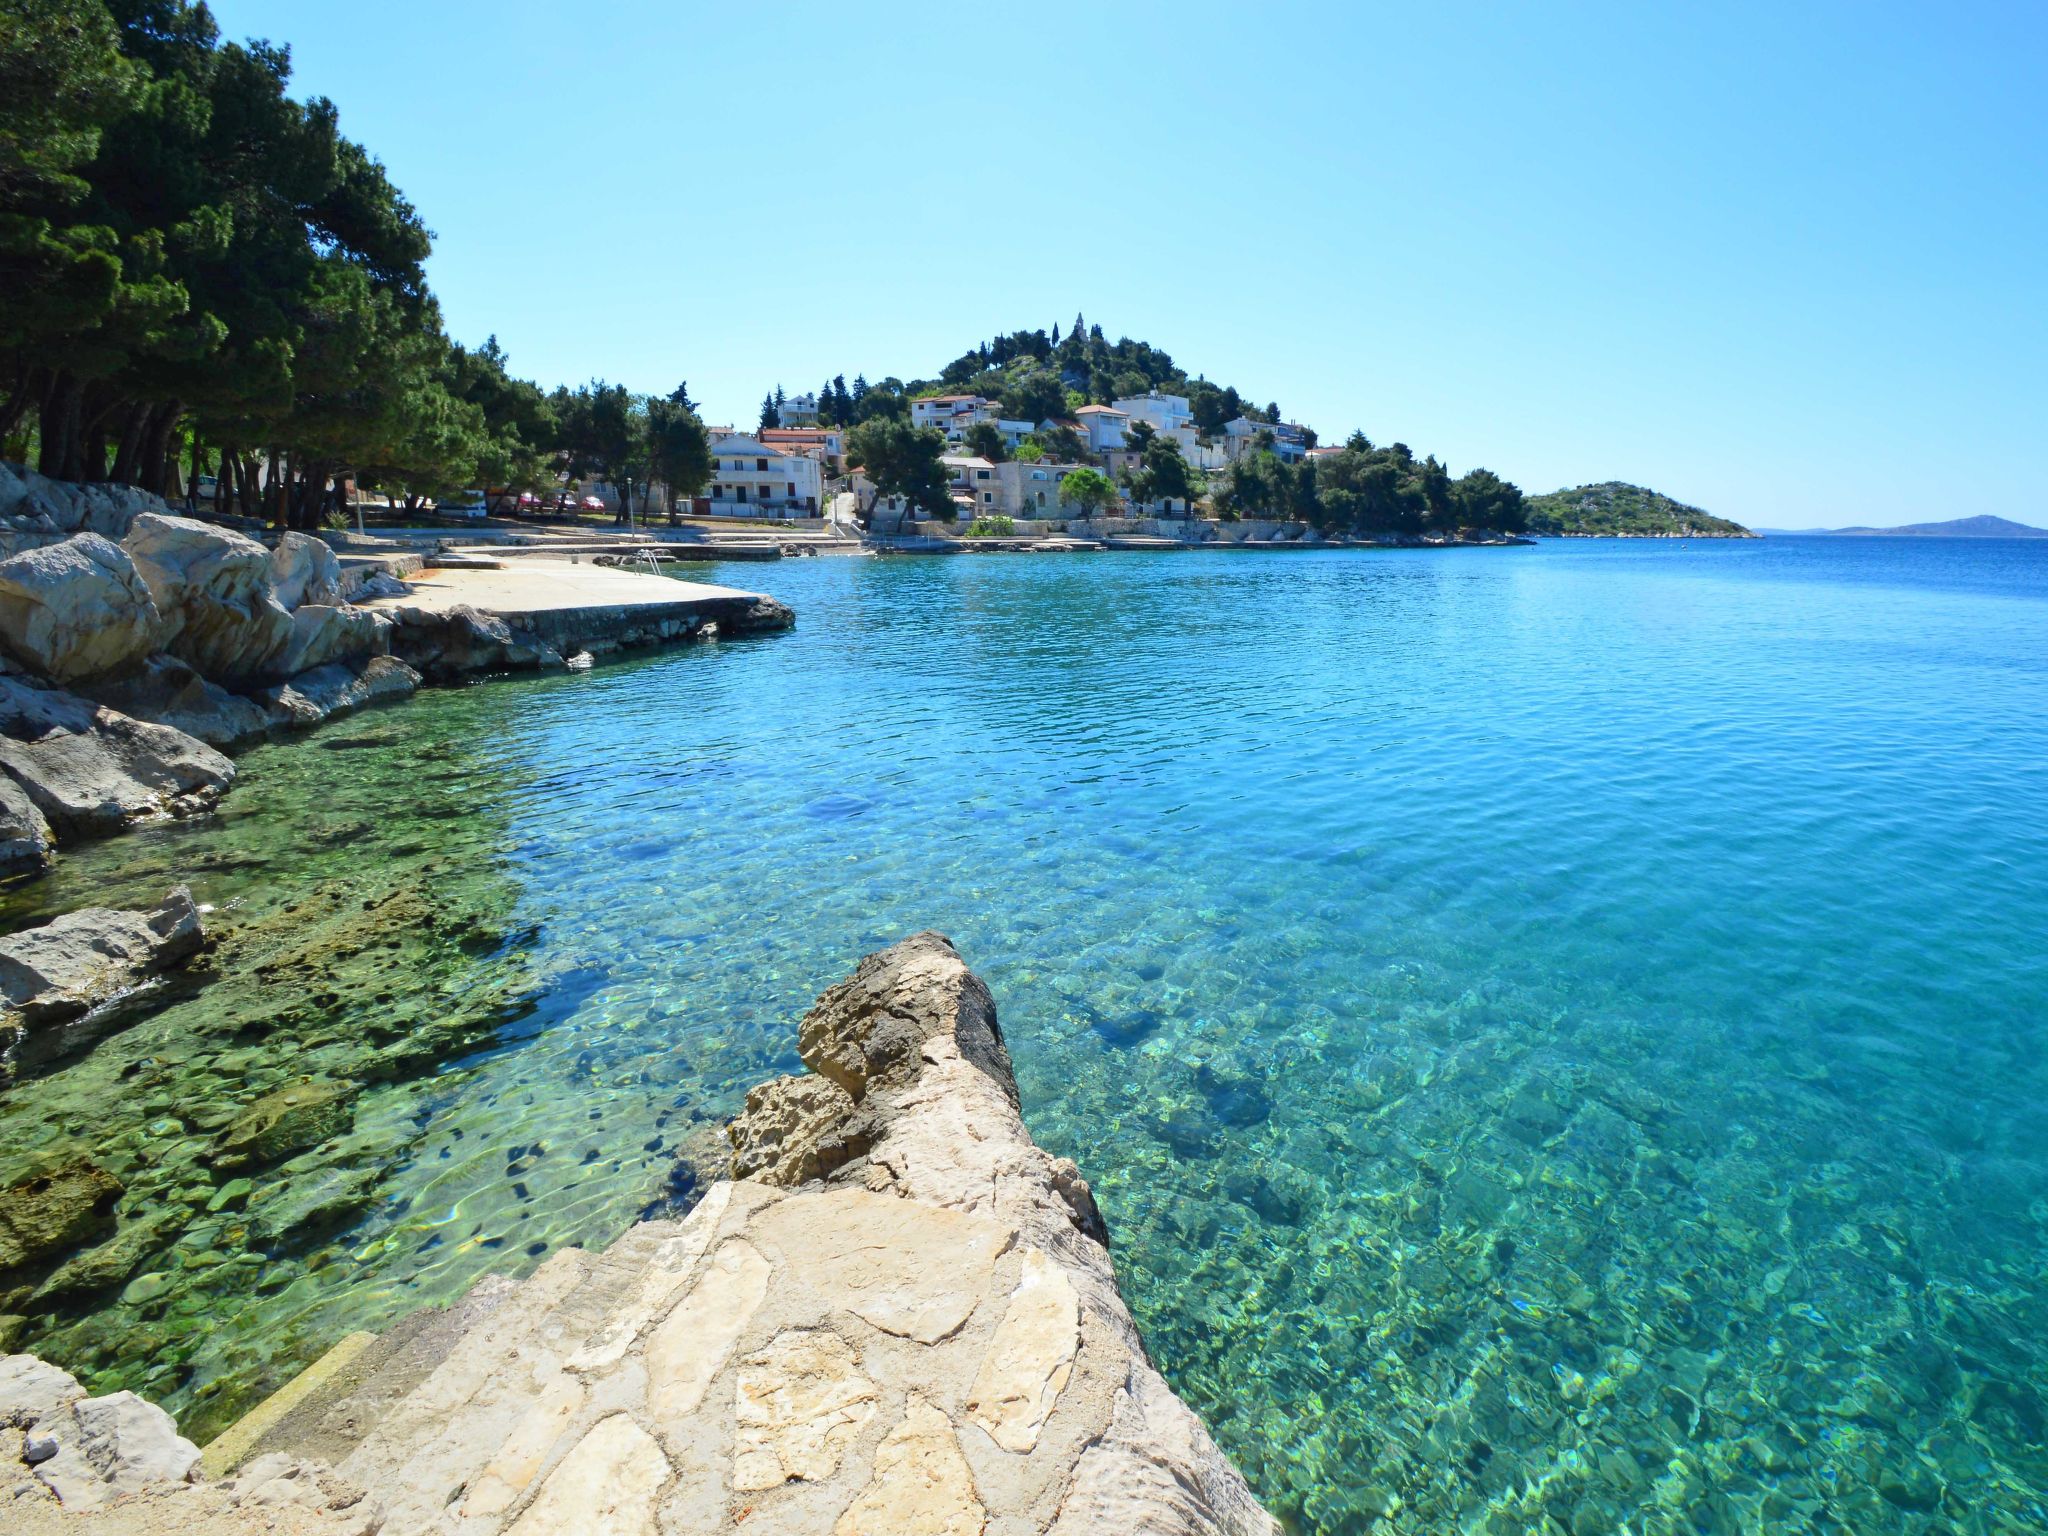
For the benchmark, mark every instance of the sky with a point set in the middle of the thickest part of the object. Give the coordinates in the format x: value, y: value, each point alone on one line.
x: 1787, y: 262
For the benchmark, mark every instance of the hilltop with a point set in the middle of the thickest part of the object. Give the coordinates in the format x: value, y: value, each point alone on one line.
x: 1983, y: 527
x: 1614, y: 510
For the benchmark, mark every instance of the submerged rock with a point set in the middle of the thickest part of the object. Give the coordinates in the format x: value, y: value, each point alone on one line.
x: 54, y: 1213
x: 290, y: 1119
x: 76, y: 610
x: 73, y: 964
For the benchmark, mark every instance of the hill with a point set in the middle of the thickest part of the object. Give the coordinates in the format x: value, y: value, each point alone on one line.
x: 1614, y: 510
x: 1954, y: 528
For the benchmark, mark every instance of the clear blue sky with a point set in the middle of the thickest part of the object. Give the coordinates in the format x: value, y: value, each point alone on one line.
x: 1789, y: 262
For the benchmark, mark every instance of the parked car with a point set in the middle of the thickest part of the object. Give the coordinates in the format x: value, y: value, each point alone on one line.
x: 468, y: 504
x: 592, y: 504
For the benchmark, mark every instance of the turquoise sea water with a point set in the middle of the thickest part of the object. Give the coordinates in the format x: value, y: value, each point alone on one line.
x: 1557, y: 1033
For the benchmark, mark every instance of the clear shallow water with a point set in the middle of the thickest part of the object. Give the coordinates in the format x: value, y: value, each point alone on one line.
x: 1556, y: 1032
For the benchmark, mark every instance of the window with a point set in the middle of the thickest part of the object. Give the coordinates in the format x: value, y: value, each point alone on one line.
x: 761, y: 465
x: 988, y: 496
x: 792, y: 489
x: 982, y: 474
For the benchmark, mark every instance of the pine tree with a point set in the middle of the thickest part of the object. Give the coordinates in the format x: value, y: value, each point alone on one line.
x: 770, y: 416
x: 1055, y: 333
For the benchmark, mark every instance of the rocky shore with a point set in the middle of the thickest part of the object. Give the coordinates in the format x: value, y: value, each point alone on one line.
x: 138, y: 647
x: 894, y: 1313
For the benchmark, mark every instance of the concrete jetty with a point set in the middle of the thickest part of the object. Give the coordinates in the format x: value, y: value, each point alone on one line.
x: 573, y: 606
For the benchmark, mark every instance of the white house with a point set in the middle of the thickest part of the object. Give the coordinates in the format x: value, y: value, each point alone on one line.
x: 1290, y: 439
x: 1168, y: 414
x: 972, y: 480
x: 750, y: 478
x: 1104, y: 427
x: 939, y: 410
x: 800, y: 411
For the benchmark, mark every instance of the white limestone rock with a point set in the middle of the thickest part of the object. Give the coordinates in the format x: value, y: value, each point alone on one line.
x: 79, y: 609
x: 304, y: 570
x: 323, y: 633
x: 1030, y: 1357
x: 212, y: 586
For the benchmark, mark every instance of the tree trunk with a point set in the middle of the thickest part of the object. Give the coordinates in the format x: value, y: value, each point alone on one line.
x: 128, y: 447
x: 60, y: 428
x: 157, y: 468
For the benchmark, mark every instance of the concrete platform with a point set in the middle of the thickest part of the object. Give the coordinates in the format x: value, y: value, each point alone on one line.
x: 576, y: 607
x: 534, y: 586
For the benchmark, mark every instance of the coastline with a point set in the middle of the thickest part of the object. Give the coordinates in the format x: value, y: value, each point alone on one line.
x: 892, y: 1312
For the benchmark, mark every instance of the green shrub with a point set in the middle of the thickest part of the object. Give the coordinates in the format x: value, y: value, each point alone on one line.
x: 991, y: 528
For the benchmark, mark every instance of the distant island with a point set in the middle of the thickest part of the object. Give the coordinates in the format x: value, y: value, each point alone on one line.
x: 1612, y: 510
x: 1954, y: 528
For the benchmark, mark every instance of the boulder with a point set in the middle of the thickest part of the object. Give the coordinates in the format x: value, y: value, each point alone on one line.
x: 304, y: 570
x: 83, y: 960
x: 91, y: 770
x: 213, y: 588
x: 78, y: 609
x: 325, y: 632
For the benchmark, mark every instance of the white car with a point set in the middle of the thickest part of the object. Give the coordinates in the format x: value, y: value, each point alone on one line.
x: 468, y: 506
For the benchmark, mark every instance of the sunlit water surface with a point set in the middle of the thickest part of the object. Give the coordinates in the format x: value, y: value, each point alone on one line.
x: 1557, y: 1032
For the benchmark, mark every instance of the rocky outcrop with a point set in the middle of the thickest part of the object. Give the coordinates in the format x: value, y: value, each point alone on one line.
x: 35, y: 510
x: 89, y: 770
x: 445, y: 644
x: 212, y: 587
x: 55, y: 975
x: 905, y: 1320
x: 77, y: 609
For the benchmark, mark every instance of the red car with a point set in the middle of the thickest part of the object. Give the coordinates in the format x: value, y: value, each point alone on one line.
x: 591, y: 504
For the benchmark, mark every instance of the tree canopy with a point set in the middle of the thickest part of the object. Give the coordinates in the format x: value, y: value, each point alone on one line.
x: 193, y: 257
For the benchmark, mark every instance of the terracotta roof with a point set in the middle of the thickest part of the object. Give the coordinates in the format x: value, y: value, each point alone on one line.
x: 1100, y: 410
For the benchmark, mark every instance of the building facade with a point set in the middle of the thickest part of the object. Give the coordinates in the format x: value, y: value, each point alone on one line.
x: 751, y: 478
